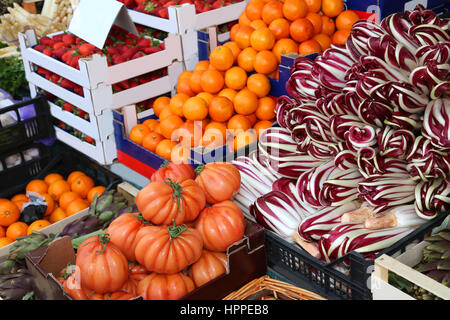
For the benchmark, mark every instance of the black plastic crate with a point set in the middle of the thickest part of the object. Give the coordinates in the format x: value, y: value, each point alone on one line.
x: 26, y: 131
x: 63, y: 162
x: 296, y: 265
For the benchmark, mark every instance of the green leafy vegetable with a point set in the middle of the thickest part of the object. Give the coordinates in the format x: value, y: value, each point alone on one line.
x: 12, y: 77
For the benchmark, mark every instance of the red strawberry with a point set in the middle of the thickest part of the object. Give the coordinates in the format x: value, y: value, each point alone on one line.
x: 58, y: 37
x: 48, y: 52
x: 39, y: 47
x: 58, y: 53
x: 128, y: 3
x: 42, y: 71
x: 69, y: 39
x: 150, y: 50
x: 163, y: 13
x: 217, y: 4
x: 86, y: 49
x: 137, y: 55
x: 46, y: 41
x: 55, y: 78
x: 89, y: 140
x: 67, y: 84
x: 68, y: 107
x: 145, y: 42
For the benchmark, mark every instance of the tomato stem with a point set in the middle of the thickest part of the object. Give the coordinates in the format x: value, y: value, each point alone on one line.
x: 165, y: 164
x: 177, y: 191
x: 175, y: 231
x: 103, y: 239
x: 140, y: 217
x: 199, y: 169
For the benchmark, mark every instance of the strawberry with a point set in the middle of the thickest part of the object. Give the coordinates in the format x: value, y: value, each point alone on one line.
x: 68, y: 107
x: 79, y: 41
x: 163, y: 13
x: 48, y: 52
x: 39, y: 47
x: 112, y: 50
x: 150, y: 50
x: 58, y: 53
x: 69, y: 39
x: 117, y: 59
x: 89, y: 140
x: 67, y: 84
x: 144, y: 42
x: 55, y: 78
x: 58, y: 37
x: 42, y: 71
x: 137, y: 55
x: 128, y: 3
x: 46, y: 41
x: 86, y: 49
x: 125, y: 84
x: 217, y: 4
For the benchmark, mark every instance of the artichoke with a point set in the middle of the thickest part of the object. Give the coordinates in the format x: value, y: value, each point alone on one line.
x: 15, y: 286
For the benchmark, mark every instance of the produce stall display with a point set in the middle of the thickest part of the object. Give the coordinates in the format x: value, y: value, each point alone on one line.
x: 292, y: 150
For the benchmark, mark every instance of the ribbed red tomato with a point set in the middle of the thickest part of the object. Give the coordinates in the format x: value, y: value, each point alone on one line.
x: 122, y: 232
x: 173, y: 171
x: 103, y: 267
x: 209, y: 266
x: 220, y: 225
x: 165, y: 286
x: 168, y: 249
x: 219, y: 180
x: 118, y: 295
x: 161, y: 202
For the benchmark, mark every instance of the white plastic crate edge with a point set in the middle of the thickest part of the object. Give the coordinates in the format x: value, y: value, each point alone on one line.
x: 403, y: 266
x: 96, y: 77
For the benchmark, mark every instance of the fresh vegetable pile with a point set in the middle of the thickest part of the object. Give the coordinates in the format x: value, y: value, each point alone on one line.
x: 120, y: 46
x: 12, y: 77
x: 159, y: 8
x: 180, y: 211
x: 435, y: 264
x: 363, y: 154
x: 45, y: 202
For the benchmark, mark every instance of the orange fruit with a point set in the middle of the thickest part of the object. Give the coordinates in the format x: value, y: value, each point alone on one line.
x: 253, y: 119
x: 235, y: 78
x: 97, y: 190
x: 73, y: 175
x: 20, y: 203
x: 57, y: 215
x: 234, y: 30
x: 185, y: 75
x: 202, y: 65
x: 57, y: 188
x: 294, y: 9
x: 222, y: 57
x: 20, y: 197
x: 266, y: 108
x: 258, y: 24
x: 244, y: 138
x: 243, y: 19
x: 169, y: 124
x: 179, y: 154
x: 183, y: 86
x: 206, y: 96
x: 159, y: 104
x: 233, y: 46
x: 212, y: 81
x: 280, y: 28
x: 246, y: 59
x: 38, y: 186
x: 242, y: 37
x: 52, y: 177
x: 4, y: 241
x: 340, y: 37
x: 151, y: 141
x: 245, y: 102
x: 37, y: 225
x: 221, y: 109
x: 2, y: 232
x: 227, y: 92
x: 324, y: 40
x: 272, y: 10
x: 82, y: 185
x: 50, y: 203
x: 301, y: 29
x: 262, y: 39
x: 346, y: 19
x: 316, y: 20
x: 284, y: 47
x: 254, y: 9
x: 195, y: 108
x: 314, y: 5
x: 76, y: 206
x: 138, y: 132
x: 265, y: 62
x: 332, y: 8
x: 66, y: 198
x: 260, y: 126
x: 188, y: 134
x: 259, y: 84
x: 157, y: 128
x: 163, y: 114
x: 328, y: 26
x: 16, y: 230
x: 215, y: 134
x: 151, y: 123
x: 309, y: 47
x: 194, y: 80
x: 164, y: 148
x: 238, y: 123
x: 176, y: 104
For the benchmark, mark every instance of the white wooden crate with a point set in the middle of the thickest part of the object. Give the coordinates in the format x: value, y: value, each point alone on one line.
x: 403, y: 266
x: 97, y: 78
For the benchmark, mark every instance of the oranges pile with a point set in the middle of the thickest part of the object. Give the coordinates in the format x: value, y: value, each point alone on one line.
x: 269, y: 28
x: 217, y: 103
x: 64, y: 197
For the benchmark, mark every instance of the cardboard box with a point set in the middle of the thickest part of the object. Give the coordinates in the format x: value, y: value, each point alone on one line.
x: 246, y: 261
x: 403, y: 266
